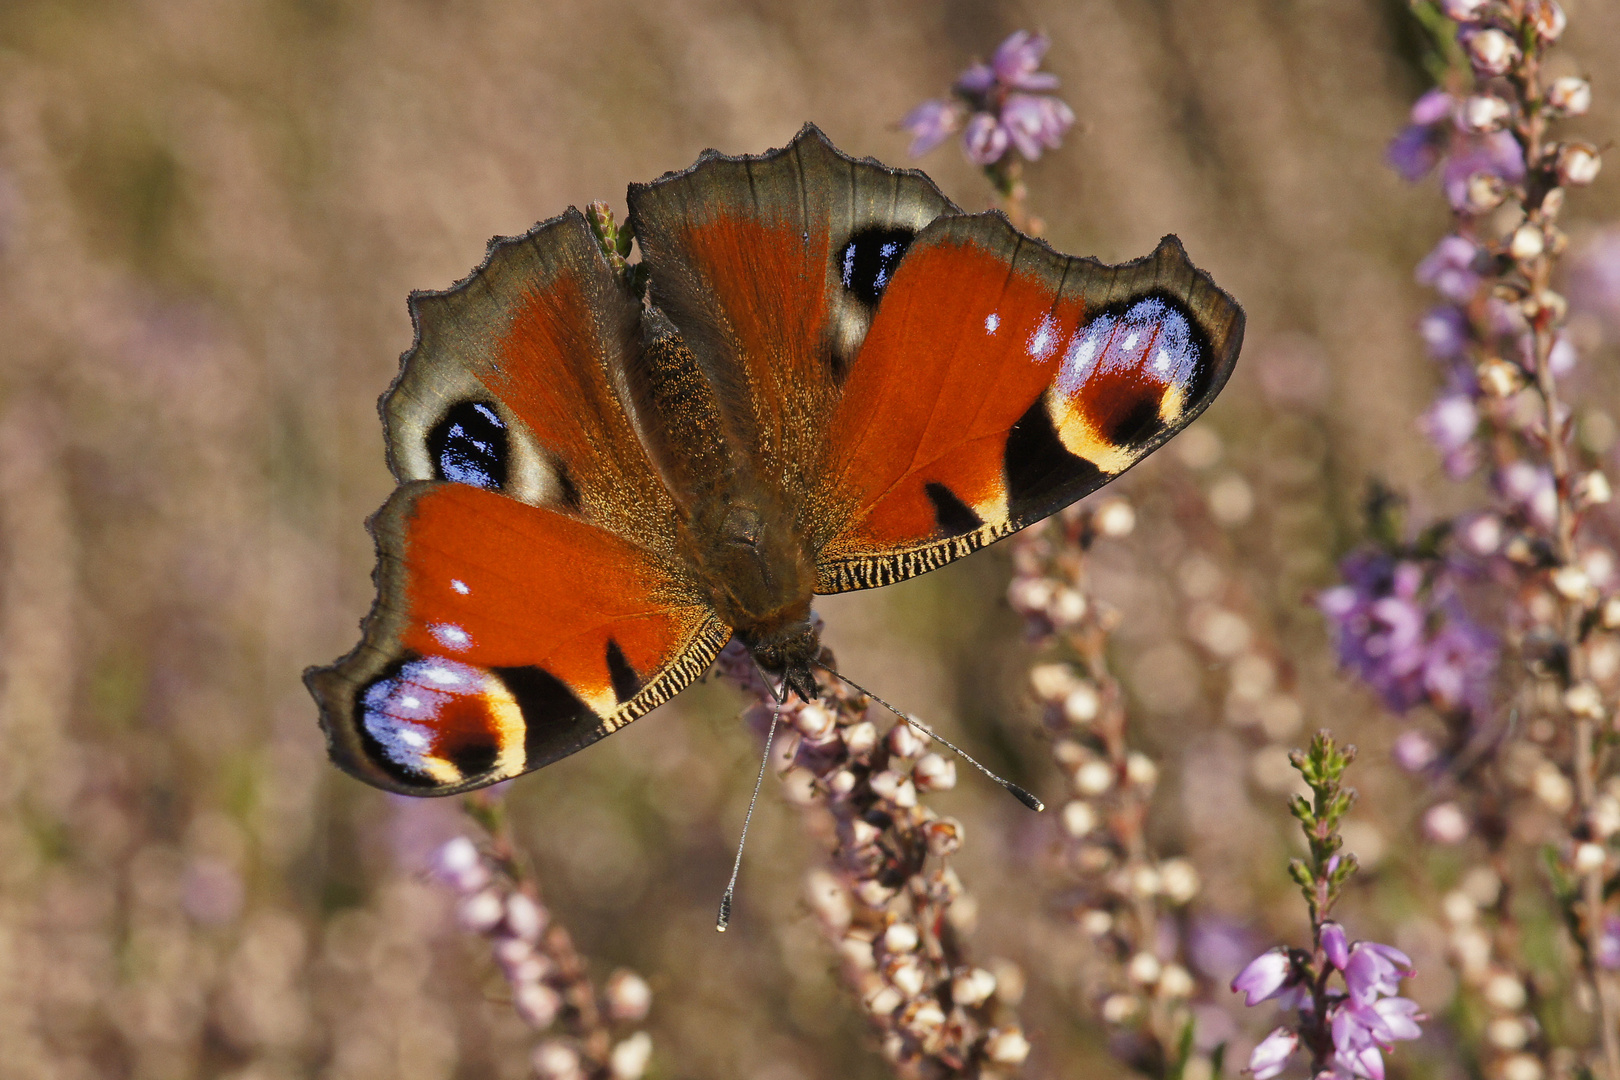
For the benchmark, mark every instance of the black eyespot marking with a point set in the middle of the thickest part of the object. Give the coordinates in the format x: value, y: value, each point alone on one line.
x: 555, y: 721
x: 469, y: 446
x: 625, y: 680
x: 474, y: 758
x: 867, y: 263
x: 1040, y: 468
x: 1138, y: 425
x: 953, y: 516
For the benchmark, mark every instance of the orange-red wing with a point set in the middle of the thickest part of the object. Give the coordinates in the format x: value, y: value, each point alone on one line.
x: 771, y: 268
x: 516, y: 384
x: 505, y: 637
x: 1001, y: 381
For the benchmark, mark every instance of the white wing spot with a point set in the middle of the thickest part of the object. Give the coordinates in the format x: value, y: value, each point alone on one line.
x: 1130, y: 341
x: 1161, y: 361
x: 410, y: 702
x: 991, y: 322
x: 450, y: 635
x: 460, y: 586
x: 442, y: 675
x: 1043, y: 340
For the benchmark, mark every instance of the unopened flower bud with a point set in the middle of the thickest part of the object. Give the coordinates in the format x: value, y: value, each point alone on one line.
x: 934, y: 773
x: 1578, y: 164
x: 1499, y: 378
x: 1120, y: 1008
x: 524, y: 918
x: 1094, y: 778
x: 873, y: 893
x: 1592, y: 489
x: 1503, y: 991
x: 1492, y: 52
x: 628, y: 1059
x: 841, y: 783
x: 1052, y: 682
x: 860, y: 739
x: 906, y: 975
x: 906, y: 742
x: 1067, y: 607
x: 628, y: 995
x: 1446, y: 823
x: 922, y: 1018
x: 1552, y: 787
x: 1079, y: 819
x: 1507, y: 1033
x: 883, y: 1001
x: 1179, y: 879
x: 972, y: 986
x: 1028, y: 595
x: 863, y: 833
x: 901, y: 937
x: 1176, y: 982
x: 1588, y: 858
x: 1570, y: 582
x: 1462, y: 10
x: 480, y: 912
x: 459, y: 863
x: 1006, y: 1046
x: 828, y: 899
x: 1141, y: 770
x: 1583, y: 700
x: 1115, y: 517
x: 1528, y: 242
x: 1485, y: 192
x: 555, y: 1060
x: 1549, y: 20
x: 1082, y: 704
x: 895, y: 787
x: 1570, y: 95
x: 1605, y: 816
x: 1611, y: 613
x: 1145, y: 881
x: 1522, y: 1067
x: 815, y: 722
x: 1144, y: 968
x: 537, y: 1003
x: 1482, y: 112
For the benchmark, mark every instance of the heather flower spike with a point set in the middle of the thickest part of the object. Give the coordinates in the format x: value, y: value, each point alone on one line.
x: 1350, y: 1023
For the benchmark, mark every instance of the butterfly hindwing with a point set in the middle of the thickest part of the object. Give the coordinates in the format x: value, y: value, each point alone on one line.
x: 1001, y: 381
x: 505, y: 636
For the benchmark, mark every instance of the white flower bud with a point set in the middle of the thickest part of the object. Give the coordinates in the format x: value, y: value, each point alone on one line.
x: 1492, y: 52
x: 934, y: 773
x: 1503, y: 991
x: 628, y: 1060
x: 629, y: 997
x: 944, y: 836
x: 1180, y: 880
x: 1120, y: 1008
x: 1006, y: 1046
x: 537, y: 1003
x: 480, y: 912
x: 1593, y: 489
x: 1589, y: 857
x: 1094, y: 778
x: 828, y: 899
x: 459, y: 863
x: 1570, y: 95
x: 1522, y: 1067
x: 972, y: 986
x: 1145, y: 881
x: 1052, y: 682
x: 1115, y: 517
x: 1605, y: 816
x: 1140, y: 770
x: 1082, y: 704
x: 906, y: 741
x: 1067, y: 607
x: 906, y: 975
x: 860, y: 739
x: 841, y: 783
x: 524, y: 918
x: 815, y: 721
x: 1485, y: 192
x: 883, y: 1001
x: 1570, y: 582
x: 1528, y: 242
x: 1079, y: 819
x: 901, y: 937
x: 895, y: 787
x: 1578, y: 164
x: 1507, y: 1033
x: 1552, y: 787
x: 873, y: 893
x: 1176, y: 982
x: 1462, y: 10
x: 1096, y: 922
x: 1144, y: 968
x: 555, y: 1060
x: 923, y: 1017
x: 1499, y: 378
x: 1549, y: 20
x: 1029, y: 594
x: 863, y: 833
x: 1583, y: 700
x: 1482, y: 112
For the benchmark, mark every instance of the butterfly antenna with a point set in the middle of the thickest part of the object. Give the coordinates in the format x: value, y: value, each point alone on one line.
x: 1018, y: 793
x: 721, y: 923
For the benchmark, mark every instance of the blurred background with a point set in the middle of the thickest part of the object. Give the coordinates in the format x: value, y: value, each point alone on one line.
x: 210, y: 216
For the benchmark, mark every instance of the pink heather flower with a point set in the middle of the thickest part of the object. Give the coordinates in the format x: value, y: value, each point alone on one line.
x: 1335, y: 945
x: 1450, y: 424
x: 1266, y: 976
x: 1271, y: 1056
x: 1495, y: 154
x: 1445, y: 331
x: 1009, y: 104
x: 930, y: 124
x: 1419, y: 146
x: 1374, y: 969
x: 1608, y: 950
x: 1449, y: 268
x: 1414, y: 751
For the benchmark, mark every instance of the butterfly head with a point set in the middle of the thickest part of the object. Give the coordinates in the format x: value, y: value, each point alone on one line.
x: 787, y: 658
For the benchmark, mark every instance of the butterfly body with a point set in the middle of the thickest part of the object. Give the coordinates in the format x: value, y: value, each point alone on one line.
x: 836, y: 380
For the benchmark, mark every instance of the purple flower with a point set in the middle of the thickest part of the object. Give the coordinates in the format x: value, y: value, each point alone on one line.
x: 1266, y: 976
x: 1450, y: 424
x: 1418, y: 148
x: 1450, y: 268
x: 1008, y: 102
x: 984, y: 140
x: 1460, y: 664
x: 1271, y: 1056
x: 1445, y: 331
x: 1363, y: 1031
x: 1608, y: 949
x: 1374, y: 969
x: 930, y: 124
x: 1495, y: 154
x: 1414, y: 751
x: 1335, y: 945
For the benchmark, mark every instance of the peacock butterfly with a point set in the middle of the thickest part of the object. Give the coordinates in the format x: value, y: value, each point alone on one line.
x: 837, y: 380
